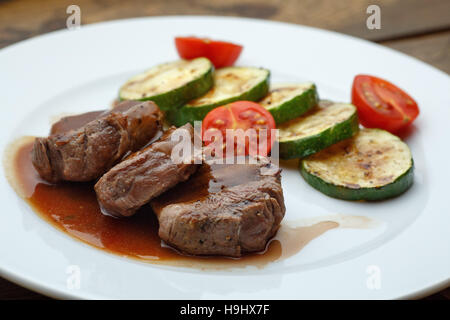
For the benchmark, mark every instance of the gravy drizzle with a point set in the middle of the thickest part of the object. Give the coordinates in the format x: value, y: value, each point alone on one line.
x: 73, y: 208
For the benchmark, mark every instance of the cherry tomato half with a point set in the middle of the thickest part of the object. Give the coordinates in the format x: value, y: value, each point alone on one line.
x: 240, y: 115
x: 381, y: 104
x: 221, y: 53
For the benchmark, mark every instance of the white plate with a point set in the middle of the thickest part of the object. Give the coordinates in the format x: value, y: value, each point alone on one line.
x: 75, y: 71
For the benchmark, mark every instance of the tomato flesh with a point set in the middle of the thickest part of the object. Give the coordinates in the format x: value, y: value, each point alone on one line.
x: 240, y: 115
x: 382, y: 105
x: 220, y: 53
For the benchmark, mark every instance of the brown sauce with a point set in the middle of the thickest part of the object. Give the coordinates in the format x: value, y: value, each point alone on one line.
x: 73, y: 122
x: 73, y: 208
x: 68, y: 123
x: 207, y: 180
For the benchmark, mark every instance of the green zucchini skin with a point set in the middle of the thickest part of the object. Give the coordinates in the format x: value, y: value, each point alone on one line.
x: 188, y: 113
x: 177, y: 97
x: 295, y: 107
x: 374, y: 165
x: 399, y: 186
x: 183, y: 94
x: 304, y: 147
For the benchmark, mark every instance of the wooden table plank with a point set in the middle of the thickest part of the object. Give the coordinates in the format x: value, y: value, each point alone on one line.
x: 22, y: 19
x: 433, y: 49
x: 18, y: 19
x: 442, y: 295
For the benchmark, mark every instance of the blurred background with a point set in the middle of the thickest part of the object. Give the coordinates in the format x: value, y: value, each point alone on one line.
x: 420, y: 28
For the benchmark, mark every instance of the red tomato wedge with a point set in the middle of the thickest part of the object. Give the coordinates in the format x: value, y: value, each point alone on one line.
x: 240, y: 115
x: 220, y: 53
x: 382, y: 105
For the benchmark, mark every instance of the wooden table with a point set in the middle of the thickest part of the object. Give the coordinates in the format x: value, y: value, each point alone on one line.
x: 416, y: 27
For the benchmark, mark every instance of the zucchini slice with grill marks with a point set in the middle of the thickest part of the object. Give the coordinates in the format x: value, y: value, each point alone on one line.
x: 321, y: 127
x: 230, y: 84
x: 288, y: 101
x: 373, y: 165
x: 172, y: 84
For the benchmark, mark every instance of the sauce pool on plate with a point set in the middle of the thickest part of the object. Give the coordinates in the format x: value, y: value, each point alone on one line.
x: 73, y: 209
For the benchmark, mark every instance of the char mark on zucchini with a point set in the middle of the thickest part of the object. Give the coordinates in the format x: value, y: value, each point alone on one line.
x: 321, y: 127
x: 172, y: 84
x: 230, y: 84
x: 373, y: 165
x: 289, y: 101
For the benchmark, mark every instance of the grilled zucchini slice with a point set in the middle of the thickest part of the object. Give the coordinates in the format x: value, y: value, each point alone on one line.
x: 172, y: 84
x: 289, y: 101
x: 373, y: 165
x: 230, y: 84
x: 326, y: 124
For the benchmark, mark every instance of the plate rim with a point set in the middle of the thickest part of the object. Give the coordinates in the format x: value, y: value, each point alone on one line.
x: 47, y: 290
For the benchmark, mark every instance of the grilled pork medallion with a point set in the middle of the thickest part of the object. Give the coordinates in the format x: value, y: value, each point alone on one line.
x: 223, y: 209
x: 144, y: 175
x: 82, y: 148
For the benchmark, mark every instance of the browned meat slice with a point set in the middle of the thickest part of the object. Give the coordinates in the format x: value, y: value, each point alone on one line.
x: 222, y: 209
x: 75, y: 122
x: 143, y: 176
x: 84, y: 149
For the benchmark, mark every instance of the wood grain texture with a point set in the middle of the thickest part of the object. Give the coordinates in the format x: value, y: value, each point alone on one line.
x: 416, y: 27
x: 433, y: 48
x: 21, y: 19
